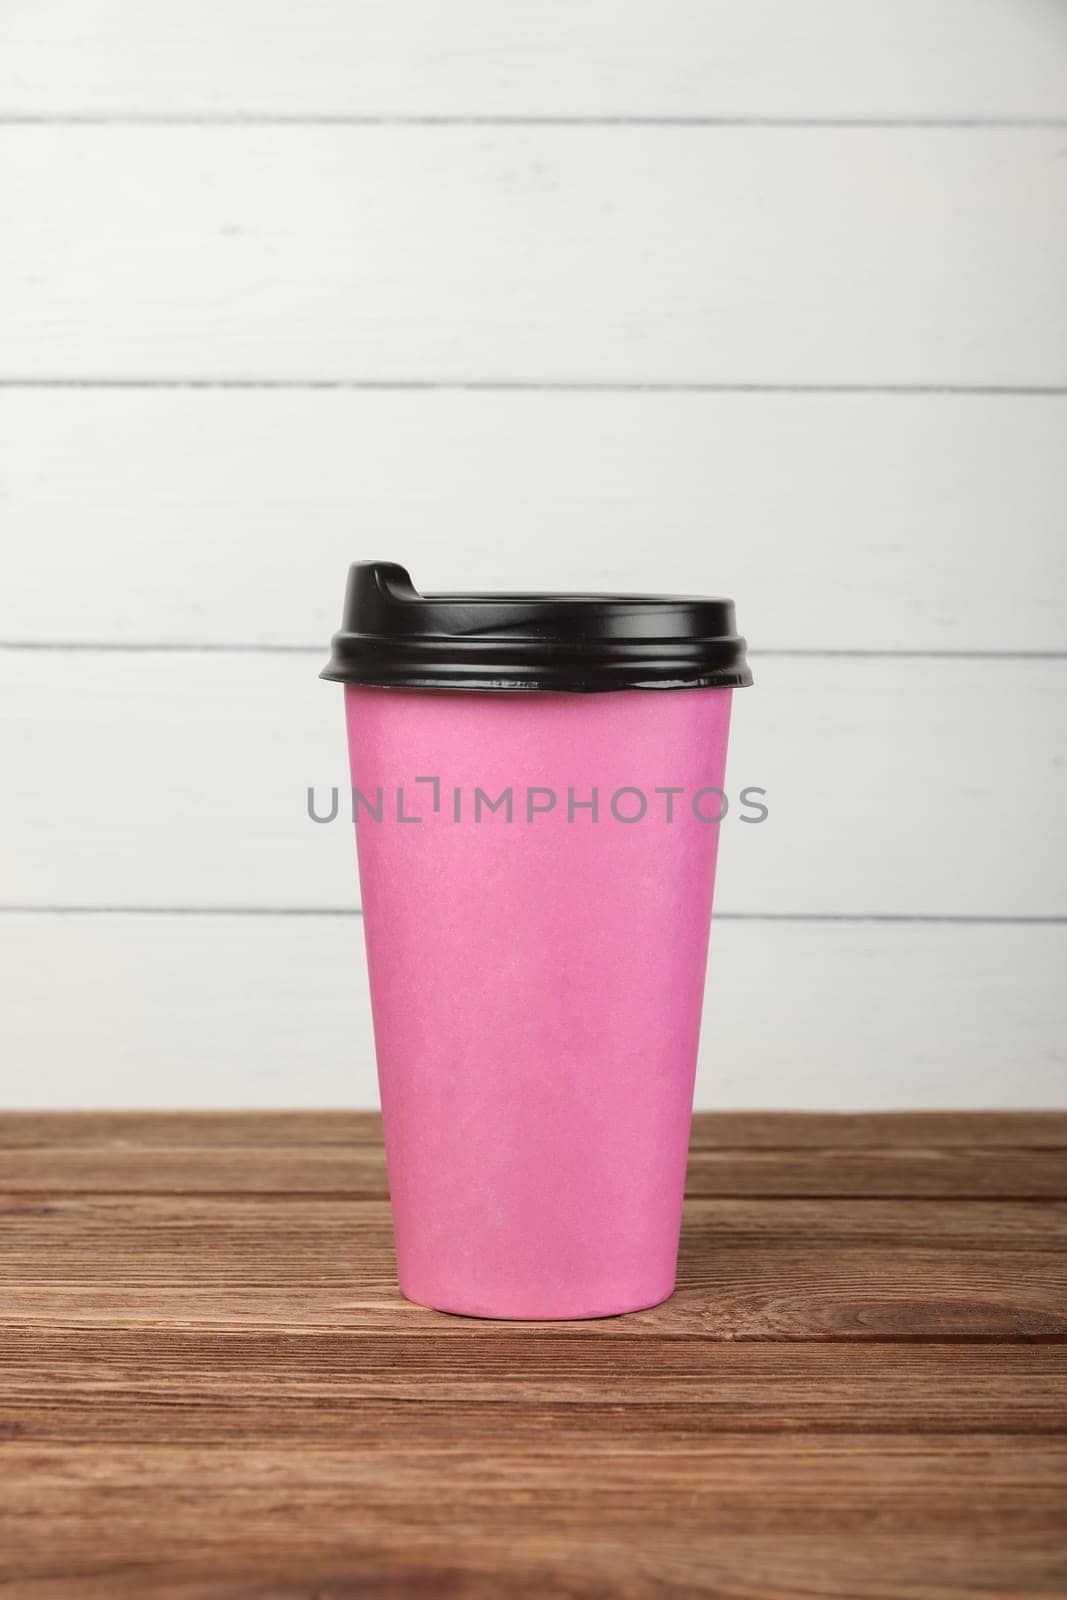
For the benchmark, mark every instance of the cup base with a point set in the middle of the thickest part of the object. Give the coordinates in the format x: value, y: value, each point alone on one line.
x: 578, y: 1310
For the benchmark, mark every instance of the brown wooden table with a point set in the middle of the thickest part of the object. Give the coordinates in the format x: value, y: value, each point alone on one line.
x: 211, y: 1387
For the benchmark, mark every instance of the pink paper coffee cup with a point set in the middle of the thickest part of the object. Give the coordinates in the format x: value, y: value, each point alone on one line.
x: 537, y: 867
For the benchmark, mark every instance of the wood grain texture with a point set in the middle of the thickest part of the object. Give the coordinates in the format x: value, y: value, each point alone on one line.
x: 358, y: 1553
x: 82, y: 1385
x: 222, y: 1396
x: 712, y: 1130
x: 584, y: 58
x: 360, y: 1173
x: 609, y: 491
x: 604, y: 255
x: 859, y: 1297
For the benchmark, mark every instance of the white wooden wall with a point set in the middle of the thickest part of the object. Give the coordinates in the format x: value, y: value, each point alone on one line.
x: 765, y: 299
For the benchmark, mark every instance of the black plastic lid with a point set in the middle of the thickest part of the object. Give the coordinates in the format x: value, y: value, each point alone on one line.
x: 395, y: 637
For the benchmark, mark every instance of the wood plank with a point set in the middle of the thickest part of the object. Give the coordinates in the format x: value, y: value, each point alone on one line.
x: 629, y: 1509
x: 789, y: 1130
x: 219, y: 1239
x: 359, y: 1172
x: 274, y: 1011
x: 923, y: 1173
x: 536, y: 1563
x: 679, y: 58
x: 222, y: 479
x: 770, y: 1292
x: 541, y: 1565
x: 712, y: 1130
x: 174, y: 1385
x: 73, y: 1130
x: 235, y: 1241
x: 772, y: 1486
x: 835, y: 746
x: 227, y: 1396
x: 850, y: 256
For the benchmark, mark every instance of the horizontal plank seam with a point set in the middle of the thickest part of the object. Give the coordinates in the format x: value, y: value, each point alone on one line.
x: 768, y: 1426
x: 544, y: 1332
x: 572, y: 1335
x: 120, y: 1144
x: 527, y: 385
x: 106, y: 1145
x: 888, y: 917
x: 356, y: 1195
x: 402, y: 119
